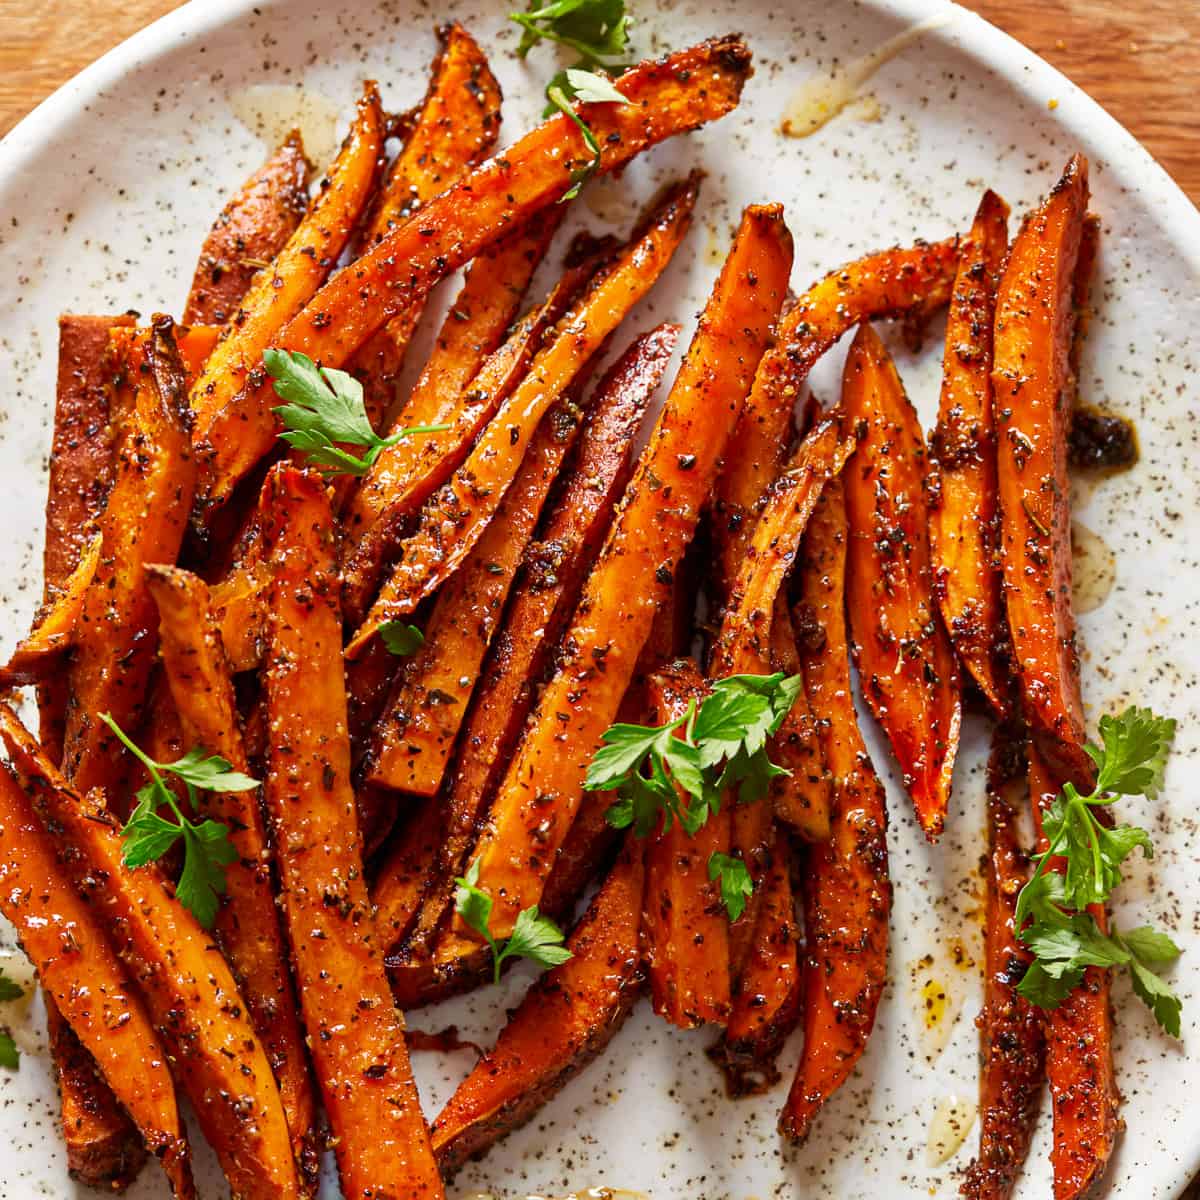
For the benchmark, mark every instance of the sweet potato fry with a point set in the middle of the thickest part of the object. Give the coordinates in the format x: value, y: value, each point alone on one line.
x: 186, y: 986
x: 399, y: 494
x: 103, y: 1146
x: 127, y: 345
x: 408, y: 871
x: 144, y: 521
x: 247, y: 926
x: 251, y: 230
x: 235, y: 365
x: 545, y: 592
x: 961, y: 487
x: 802, y: 799
x: 415, y: 738
x: 566, y: 1019
x: 682, y: 92
x: 53, y: 632
x: 766, y: 1003
x: 743, y: 645
x: 1012, y: 1036
x: 909, y: 673
x: 82, y: 455
x: 1034, y: 390
x: 685, y: 929
x: 356, y: 1035
x: 92, y: 993
x: 419, y: 728
x: 890, y: 283
x: 454, y: 130
x: 454, y: 517
x: 846, y: 892
x: 540, y: 793
x: 1079, y: 1063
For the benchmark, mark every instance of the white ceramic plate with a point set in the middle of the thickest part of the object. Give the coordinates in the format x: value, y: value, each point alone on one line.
x: 105, y: 194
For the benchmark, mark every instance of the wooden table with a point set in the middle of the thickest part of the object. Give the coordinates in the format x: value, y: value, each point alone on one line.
x: 1140, y: 61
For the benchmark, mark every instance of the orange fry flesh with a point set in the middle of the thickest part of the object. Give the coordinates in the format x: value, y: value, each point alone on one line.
x: 909, y: 673
x: 539, y: 796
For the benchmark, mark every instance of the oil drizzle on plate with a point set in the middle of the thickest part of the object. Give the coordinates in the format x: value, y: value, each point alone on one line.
x: 272, y: 111
x: 825, y: 95
x: 952, y: 1121
x: 1094, y: 568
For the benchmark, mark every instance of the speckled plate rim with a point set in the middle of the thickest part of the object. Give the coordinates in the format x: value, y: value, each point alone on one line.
x: 1095, y: 130
x: 968, y: 32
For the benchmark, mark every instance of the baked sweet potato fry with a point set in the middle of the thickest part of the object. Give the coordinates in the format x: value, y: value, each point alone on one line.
x: 92, y: 993
x: 846, y: 892
x: 766, y: 1003
x: 1079, y: 1064
x: 184, y: 981
x: 1012, y: 1036
x: 685, y: 930
x: 399, y: 494
x: 539, y: 796
x: 103, y: 1147
x: 247, y: 925
x: 908, y: 669
x: 456, y: 515
x: 417, y: 734
x: 961, y: 487
x: 681, y: 92
x: 410, y: 868
x: 565, y: 1020
x: 1034, y: 389
x: 144, y: 521
x: 235, y: 366
x: 889, y: 283
x: 356, y: 1035
x: 455, y: 129
x: 247, y: 235
x: 419, y: 728
x: 544, y: 594
x: 801, y: 800
x: 41, y: 650
x: 82, y: 457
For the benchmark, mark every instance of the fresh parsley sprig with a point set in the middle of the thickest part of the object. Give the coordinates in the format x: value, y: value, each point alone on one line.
x: 324, y: 407
x: 597, y: 30
x: 534, y: 937
x: 586, y: 86
x: 1051, y: 911
x: 207, y: 850
x: 10, y: 1056
x: 716, y: 745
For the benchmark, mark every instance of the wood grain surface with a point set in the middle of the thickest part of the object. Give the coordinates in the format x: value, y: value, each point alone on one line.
x: 1140, y: 60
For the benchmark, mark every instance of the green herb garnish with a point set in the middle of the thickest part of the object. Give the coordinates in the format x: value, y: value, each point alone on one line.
x: 716, y: 745
x: 534, y: 937
x: 10, y: 1056
x: 207, y: 851
x: 590, y: 88
x: 400, y: 638
x: 324, y: 407
x: 736, y: 885
x: 1051, y: 909
x: 597, y: 30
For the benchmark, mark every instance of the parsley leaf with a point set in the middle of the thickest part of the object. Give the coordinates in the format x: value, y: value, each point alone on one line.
x: 10, y: 1056
x: 1051, y: 908
x: 736, y: 885
x: 9, y: 988
x: 148, y: 835
x: 323, y: 407
x: 590, y: 88
x: 723, y: 745
x: 595, y: 29
x: 534, y: 937
x: 401, y: 639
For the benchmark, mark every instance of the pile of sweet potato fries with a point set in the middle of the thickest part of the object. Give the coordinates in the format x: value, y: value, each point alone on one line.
x: 210, y: 590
